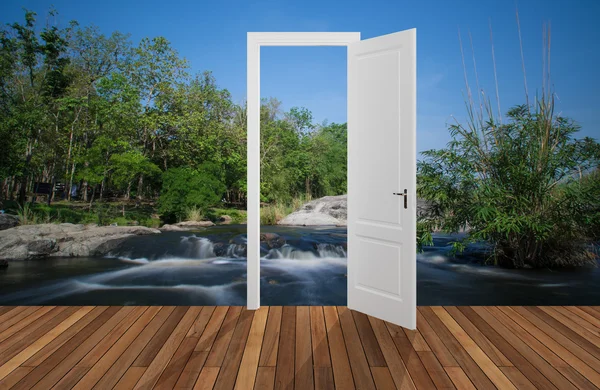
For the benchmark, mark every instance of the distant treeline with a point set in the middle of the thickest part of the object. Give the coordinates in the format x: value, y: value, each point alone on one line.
x: 92, y: 112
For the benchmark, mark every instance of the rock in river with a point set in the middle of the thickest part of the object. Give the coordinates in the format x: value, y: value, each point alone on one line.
x: 64, y: 240
x: 329, y: 210
x: 8, y: 221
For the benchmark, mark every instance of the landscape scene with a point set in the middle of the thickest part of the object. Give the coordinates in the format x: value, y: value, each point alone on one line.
x: 123, y: 182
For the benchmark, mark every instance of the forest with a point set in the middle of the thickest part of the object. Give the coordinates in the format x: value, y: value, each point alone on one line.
x: 111, y: 128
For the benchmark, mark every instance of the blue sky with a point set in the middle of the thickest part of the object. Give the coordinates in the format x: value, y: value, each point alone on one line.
x: 212, y: 36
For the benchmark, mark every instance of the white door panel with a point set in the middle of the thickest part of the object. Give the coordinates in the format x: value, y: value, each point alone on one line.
x: 382, y: 162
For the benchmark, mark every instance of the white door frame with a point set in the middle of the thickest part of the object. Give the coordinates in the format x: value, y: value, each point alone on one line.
x: 255, y: 41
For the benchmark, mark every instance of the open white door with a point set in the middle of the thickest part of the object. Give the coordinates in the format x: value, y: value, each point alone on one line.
x: 382, y: 275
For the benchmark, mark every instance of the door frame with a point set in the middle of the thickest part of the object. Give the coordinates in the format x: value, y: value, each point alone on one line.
x: 255, y: 41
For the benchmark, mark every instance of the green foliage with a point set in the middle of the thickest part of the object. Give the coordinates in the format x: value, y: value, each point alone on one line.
x: 184, y: 188
x: 526, y: 186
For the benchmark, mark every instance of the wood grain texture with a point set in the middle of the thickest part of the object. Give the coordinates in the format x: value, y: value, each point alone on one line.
x: 298, y: 347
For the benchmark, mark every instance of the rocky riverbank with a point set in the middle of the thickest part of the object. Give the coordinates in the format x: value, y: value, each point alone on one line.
x: 64, y: 240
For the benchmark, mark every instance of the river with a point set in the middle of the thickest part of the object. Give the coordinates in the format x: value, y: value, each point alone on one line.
x: 208, y: 267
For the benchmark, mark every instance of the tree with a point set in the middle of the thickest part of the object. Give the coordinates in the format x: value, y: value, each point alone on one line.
x: 521, y: 186
x: 184, y: 188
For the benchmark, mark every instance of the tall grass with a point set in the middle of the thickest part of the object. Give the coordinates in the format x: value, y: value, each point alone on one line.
x: 278, y: 210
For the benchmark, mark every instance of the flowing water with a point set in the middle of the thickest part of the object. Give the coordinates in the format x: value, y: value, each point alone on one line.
x: 208, y: 267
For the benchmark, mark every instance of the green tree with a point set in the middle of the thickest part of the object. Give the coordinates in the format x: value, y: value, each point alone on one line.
x: 185, y: 188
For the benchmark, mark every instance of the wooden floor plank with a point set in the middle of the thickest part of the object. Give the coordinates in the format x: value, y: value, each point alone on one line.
x: 212, y: 329
x: 130, y: 378
x: 394, y: 362
x: 342, y: 373
x: 251, y: 356
x: 553, y: 323
x: 356, y: 354
x: 559, y: 364
x: 411, y: 359
x: 156, y: 343
x: 40, y: 343
x: 265, y: 378
x: 382, y: 377
x: 303, y: 372
x: 104, y: 364
x: 368, y: 339
x: 119, y: 368
x: 565, y: 355
x: 233, y: 357
x: 268, y: 353
x: 486, y: 346
x: 286, y: 355
x: 438, y: 375
x: 221, y: 343
x: 46, y: 375
x: 552, y: 375
x: 464, y: 360
x: 517, y: 354
x: 303, y: 347
x: 459, y: 378
x: 442, y: 353
x: 478, y: 355
x: 320, y: 344
x: 164, y: 355
x: 207, y: 378
x: 192, y: 370
x: 517, y: 378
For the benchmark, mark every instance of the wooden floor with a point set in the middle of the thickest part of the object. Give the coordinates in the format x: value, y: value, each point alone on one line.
x: 297, y: 348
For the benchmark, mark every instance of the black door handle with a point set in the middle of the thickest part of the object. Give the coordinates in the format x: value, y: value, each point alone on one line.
x: 405, y: 195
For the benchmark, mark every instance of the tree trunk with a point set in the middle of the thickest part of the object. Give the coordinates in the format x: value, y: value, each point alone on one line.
x: 71, y: 181
x: 140, y: 188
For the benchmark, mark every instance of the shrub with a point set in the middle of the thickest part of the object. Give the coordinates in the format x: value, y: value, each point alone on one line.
x: 184, y: 188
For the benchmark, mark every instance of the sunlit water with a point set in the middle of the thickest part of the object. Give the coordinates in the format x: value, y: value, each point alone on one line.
x: 208, y: 267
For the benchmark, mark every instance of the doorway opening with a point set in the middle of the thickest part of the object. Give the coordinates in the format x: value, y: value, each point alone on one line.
x: 303, y: 171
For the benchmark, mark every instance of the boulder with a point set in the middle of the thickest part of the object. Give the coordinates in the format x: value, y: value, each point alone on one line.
x: 8, y: 221
x: 225, y: 219
x: 172, y: 228
x: 64, y: 240
x: 329, y: 210
x: 194, y: 224
x: 272, y: 240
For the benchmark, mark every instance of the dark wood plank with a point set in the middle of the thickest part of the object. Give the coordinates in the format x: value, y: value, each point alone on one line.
x: 14, y: 377
x: 556, y: 379
x: 207, y: 378
x: 555, y: 361
x: 342, y: 373
x: 566, y: 331
x: 118, y: 369
x: 592, y: 320
x: 488, y: 347
x: 265, y: 378
x: 517, y: 354
x: 149, y: 352
x: 304, y: 360
x: 61, y: 340
x: 107, y: 360
x: 284, y: 373
x: 192, y: 370
x: 200, y: 325
x: 517, y: 378
x: 14, y: 318
x: 438, y: 375
x: 383, y: 379
x: 248, y: 367
x: 46, y: 375
x: 165, y: 354
x: 433, y: 340
x: 324, y: 378
x: 470, y: 368
x: 233, y: 357
x: 212, y: 329
x: 368, y: 340
x: 219, y: 348
x: 411, y: 359
x: 171, y: 373
x: 356, y: 354
x: 318, y: 332
x: 268, y: 354
x: 397, y: 368
x: 37, y: 317
x: 130, y: 378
